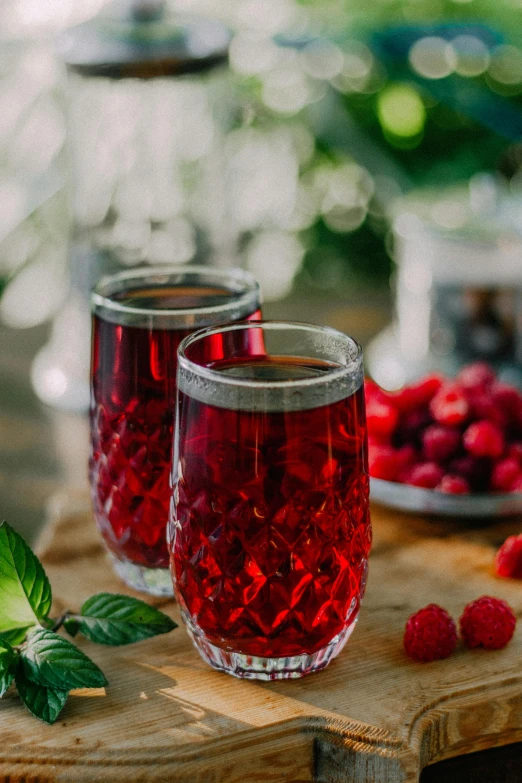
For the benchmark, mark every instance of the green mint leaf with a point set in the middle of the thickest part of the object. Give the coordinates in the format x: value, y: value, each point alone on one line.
x: 52, y: 661
x: 71, y: 626
x: 107, y: 618
x: 16, y: 635
x: 25, y: 592
x: 44, y: 703
x: 7, y: 666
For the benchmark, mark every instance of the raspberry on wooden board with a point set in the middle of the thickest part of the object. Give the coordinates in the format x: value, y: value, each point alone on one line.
x: 430, y: 634
x: 508, y: 560
x: 487, y: 622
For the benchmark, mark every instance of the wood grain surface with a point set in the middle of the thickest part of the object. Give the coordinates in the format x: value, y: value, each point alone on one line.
x: 371, y: 716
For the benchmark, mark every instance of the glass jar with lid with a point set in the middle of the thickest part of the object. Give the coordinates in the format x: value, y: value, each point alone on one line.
x: 148, y: 106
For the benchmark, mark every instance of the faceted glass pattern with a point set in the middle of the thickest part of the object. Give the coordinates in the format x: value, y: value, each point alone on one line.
x: 132, y: 421
x: 272, y: 527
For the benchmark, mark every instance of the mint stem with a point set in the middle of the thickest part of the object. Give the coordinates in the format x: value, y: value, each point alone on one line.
x: 60, y: 621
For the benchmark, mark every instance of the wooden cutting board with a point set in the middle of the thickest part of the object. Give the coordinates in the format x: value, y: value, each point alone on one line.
x: 372, y: 715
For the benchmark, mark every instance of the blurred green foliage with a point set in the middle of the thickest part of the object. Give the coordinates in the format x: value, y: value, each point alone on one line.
x: 433, y: 131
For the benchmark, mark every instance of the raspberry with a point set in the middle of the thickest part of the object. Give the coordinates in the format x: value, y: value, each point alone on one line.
x: 515, y: 451
x: 405, y: 456
x: 439, y: 442
x: 382, y: 463
x: 507, y: 398
x: 483, y: 407
x: 517, y: 485
x: 476, y: 375
x: 385, y: 462
x: 372, y: 391
x: 508, y: 560
x: 411, y: 426
x: 424, y: 474
x: 430, y: 634
x: 381, y: 418
x: 450, y: 406
x: 463, y: 466
x: 483, y: 439
x: 504, y: 474
x: 476, y: 471
x: 487, y: 622
x: 419, y: 394
x: 453, y: 485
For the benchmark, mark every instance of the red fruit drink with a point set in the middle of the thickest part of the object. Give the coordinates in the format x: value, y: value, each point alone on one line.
x: 271, y: 528
x: 139, y: 320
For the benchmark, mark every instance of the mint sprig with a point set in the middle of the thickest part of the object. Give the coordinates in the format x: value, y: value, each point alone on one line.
x: 44, y: 665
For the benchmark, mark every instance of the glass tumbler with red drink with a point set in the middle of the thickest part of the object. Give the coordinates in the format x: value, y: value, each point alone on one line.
x: 139, y: 319
x: 270, y: 530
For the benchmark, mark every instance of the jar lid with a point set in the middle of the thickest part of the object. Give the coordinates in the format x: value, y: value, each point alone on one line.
x: 143, y: 39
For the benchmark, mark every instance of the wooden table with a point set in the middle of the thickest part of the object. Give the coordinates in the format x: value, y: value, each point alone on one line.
x: 372, y: 715
x: 41, y: 450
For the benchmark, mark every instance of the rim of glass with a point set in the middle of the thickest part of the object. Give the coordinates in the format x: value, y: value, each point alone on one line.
x: 353, y: 364
x: 109, y: 285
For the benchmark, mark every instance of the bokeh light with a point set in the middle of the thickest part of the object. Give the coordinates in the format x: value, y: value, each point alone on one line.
x: 29, y: 299
x: 261, y: 177
x: 269, y: 16
x: 506, y: 64
x: 252, y: 53
x: 274, y: 257
x: 357, y: 68
x: 432, y: 57
x: 322, y: 59
x: 401, y: 110
x: 472, y: 55
x: 286, y: 91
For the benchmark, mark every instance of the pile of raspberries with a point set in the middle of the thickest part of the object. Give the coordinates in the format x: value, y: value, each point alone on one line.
x: 459, y: 436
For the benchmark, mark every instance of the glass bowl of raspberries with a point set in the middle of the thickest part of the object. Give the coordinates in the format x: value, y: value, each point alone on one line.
x: 447, y: 445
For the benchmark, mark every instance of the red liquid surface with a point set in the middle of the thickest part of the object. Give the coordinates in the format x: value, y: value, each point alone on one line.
x: 133, y: 402
x: 272, y: 522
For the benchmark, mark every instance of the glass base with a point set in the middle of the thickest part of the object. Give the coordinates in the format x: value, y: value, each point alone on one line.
x: 154, y: 581
x: 253, y: 667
